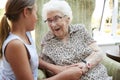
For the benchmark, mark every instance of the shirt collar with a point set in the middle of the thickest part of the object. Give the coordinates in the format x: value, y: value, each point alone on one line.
x: 71, y: 28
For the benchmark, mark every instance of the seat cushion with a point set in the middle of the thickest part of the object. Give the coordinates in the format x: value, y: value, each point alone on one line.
x: 113, y: 67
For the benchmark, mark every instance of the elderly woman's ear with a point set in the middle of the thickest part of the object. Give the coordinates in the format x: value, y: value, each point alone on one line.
x: 68, y: 19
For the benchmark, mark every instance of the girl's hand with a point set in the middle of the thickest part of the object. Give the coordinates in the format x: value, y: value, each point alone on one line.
x: 60, y: 68
x: 73, y: 73
x: 82, y: 66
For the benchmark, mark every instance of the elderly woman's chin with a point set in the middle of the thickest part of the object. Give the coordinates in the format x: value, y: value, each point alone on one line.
x: 56, y: 33
x: 59, y: 35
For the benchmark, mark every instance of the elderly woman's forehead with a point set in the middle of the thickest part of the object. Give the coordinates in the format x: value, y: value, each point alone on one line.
x: 54, y: 12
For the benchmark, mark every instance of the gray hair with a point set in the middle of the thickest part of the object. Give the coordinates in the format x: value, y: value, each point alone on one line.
x: 57, y: 5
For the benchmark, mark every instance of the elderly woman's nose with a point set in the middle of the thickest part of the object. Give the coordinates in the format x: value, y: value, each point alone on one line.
x: 53, y: 23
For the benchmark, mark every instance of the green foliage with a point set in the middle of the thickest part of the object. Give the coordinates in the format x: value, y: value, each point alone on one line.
x: 1, y: 13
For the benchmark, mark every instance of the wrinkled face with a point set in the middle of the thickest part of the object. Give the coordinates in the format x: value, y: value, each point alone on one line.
x: 58, y: 23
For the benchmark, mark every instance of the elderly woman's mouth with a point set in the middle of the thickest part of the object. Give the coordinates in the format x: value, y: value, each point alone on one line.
x: 57, y: 29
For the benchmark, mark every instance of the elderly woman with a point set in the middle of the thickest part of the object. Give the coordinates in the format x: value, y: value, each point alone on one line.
x: 69, y: 45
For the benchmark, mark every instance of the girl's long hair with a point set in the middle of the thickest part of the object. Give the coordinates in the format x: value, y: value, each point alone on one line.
x: 13, y: 9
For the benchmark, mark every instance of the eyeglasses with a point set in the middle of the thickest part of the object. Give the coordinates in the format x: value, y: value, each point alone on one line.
x: 55, y: 19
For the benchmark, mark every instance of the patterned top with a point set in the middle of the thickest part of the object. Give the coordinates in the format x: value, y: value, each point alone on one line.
x: 6, y: 72
x: 76, y: 48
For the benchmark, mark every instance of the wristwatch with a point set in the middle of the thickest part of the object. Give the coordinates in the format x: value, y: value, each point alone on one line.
x: 87, y: 63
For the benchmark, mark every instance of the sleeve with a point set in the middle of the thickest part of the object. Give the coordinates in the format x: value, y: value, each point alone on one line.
x: 47, y: 59
x: 87, y: 38
x: 43, y: 55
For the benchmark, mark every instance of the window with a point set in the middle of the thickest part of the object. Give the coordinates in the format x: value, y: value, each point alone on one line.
x: 118, y: 17
x: 106, y: 27
x: 2, y: 5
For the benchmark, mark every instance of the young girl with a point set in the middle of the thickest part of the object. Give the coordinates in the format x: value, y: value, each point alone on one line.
x: 17, y: 49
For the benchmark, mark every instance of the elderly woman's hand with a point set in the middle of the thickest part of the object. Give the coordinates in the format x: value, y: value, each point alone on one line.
x: 60, y: 68
x: 82, y: 66
x: 73, y: 73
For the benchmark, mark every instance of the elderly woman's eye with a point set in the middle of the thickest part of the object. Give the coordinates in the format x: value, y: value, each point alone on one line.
x: 56, y: 18
x: 49, y: 20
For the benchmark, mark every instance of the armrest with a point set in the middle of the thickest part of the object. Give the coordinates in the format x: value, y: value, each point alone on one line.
x: 41, y: 75
x: 116, y: 58
x: 113, y: 67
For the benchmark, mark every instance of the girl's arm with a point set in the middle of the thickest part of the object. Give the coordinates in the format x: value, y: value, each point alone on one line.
x: 18, y: 58
x: 73, y: 73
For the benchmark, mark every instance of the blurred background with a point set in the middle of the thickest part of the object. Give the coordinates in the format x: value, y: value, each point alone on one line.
x: 101, y: 18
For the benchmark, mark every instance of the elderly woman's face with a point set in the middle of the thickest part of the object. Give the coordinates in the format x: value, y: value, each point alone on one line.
x: 58, y: 23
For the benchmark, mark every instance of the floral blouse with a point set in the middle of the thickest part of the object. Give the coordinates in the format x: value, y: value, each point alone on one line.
x: 76, y: 49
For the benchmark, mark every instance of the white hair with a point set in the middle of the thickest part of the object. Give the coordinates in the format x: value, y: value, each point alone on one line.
x: 57, y: 5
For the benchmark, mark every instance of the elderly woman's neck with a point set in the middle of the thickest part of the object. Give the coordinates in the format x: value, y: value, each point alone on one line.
x: 65, y: 38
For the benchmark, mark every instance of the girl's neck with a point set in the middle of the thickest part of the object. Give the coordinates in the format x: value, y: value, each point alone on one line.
x: 23, y: 36
x: 21, y: 33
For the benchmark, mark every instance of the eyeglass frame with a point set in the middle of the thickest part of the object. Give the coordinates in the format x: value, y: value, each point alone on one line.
x: 55, y: 19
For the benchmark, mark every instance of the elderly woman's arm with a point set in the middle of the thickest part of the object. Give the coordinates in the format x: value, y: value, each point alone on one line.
x: 49, y: 66
x: 73, y: 73
x: 92, y: 60
x: 96, y: 55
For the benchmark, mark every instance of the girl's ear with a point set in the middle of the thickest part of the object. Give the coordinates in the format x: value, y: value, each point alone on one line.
x: 26, y: 12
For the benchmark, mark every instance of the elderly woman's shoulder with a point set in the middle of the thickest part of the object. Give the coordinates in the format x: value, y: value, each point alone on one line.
x: 76, y: 27
x: 48, y: 36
